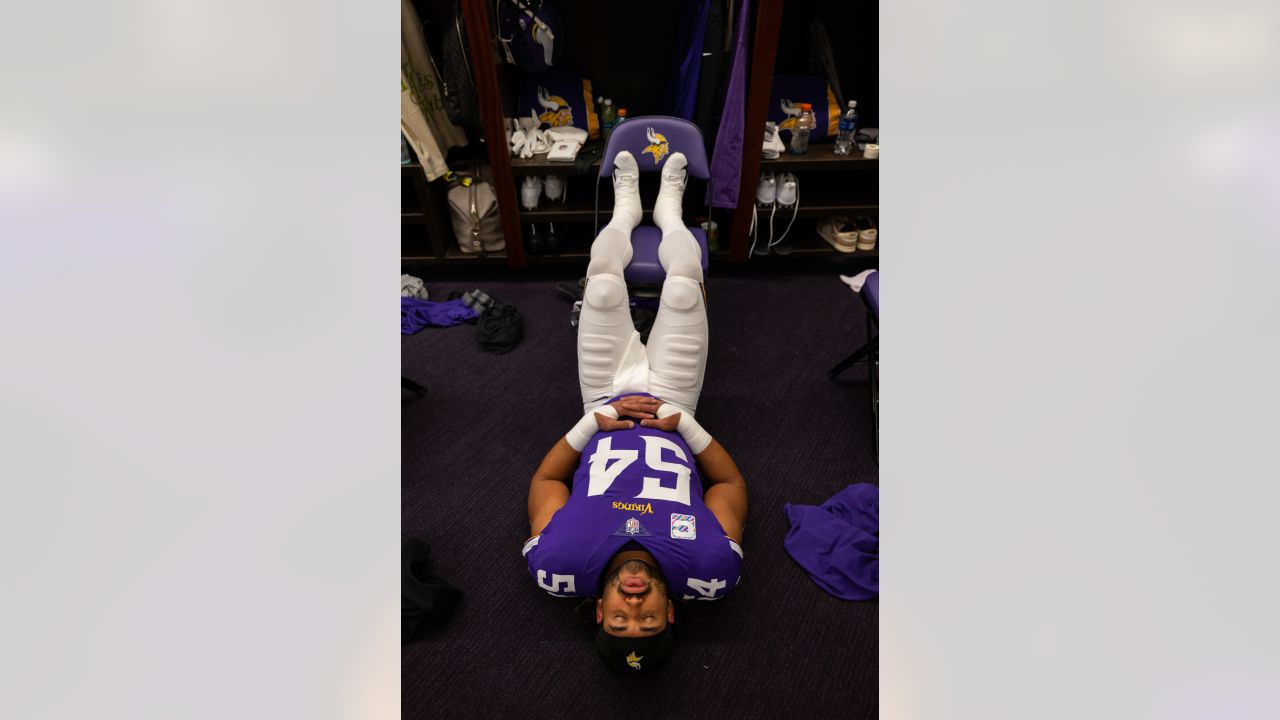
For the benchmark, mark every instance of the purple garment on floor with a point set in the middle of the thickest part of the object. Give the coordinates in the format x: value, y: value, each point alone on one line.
x: 838, y: 543
x: 416, y: 314
x: 726, y: 160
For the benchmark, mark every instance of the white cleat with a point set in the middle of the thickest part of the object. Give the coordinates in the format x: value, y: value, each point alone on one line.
x: 626, y: 188
x: 767, y: 190
x: 788, y: 190
x: 530, y: 191
x: 668, y: 209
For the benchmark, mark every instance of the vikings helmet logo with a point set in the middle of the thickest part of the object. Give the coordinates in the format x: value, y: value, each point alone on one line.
x: 633, y: 660
x: 657, y: 145
x: 792, y: 112
x: 557, y: 111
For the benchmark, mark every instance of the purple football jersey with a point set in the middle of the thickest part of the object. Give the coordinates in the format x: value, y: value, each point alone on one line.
x: 636, y: 485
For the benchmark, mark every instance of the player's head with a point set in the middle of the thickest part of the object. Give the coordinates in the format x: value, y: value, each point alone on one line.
x: 634, y: 616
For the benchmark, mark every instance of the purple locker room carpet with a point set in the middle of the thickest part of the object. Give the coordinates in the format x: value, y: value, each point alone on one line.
x: 778, y: 648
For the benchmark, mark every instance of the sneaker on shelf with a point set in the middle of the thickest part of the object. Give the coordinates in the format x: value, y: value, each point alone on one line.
x: 840, y: 233
x: 551, y: 243
x: 626, y: 187
x: 788, y: 190
x: 530, y: 191
x: 534, y: 243
x: 554, y: 187
x: 866, y: 233
x: 767, y: 190
x: 766, y: 197
x: 669, y: 207
x: 788, y: 197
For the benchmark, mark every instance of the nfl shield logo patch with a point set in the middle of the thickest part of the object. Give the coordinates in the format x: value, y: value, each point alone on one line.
x: 631, y: 528
x: 683, y: 527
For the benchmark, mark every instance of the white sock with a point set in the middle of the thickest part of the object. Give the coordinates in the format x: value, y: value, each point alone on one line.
x: 611, y: 251
x: 680, y: 255
x: 668, y: 209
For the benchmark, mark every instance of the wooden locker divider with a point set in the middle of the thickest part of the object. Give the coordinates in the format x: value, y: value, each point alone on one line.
x: 764, y: 53
x: 484, y: 70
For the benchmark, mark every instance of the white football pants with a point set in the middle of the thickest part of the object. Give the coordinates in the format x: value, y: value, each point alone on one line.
x: 611, y: 359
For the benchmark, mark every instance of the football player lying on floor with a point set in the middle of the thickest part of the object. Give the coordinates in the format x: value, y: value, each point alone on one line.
x: 658, y: 507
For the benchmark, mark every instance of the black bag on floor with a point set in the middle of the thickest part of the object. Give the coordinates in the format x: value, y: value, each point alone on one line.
x: 426, y: 601
x: 500, y: 328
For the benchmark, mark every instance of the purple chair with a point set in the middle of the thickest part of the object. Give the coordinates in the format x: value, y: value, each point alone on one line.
x: 652, y: 139
x: 870, y: 351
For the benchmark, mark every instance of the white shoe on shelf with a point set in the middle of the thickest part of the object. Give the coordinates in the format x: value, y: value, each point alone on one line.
x: 840, y: 233
x: 766, y: 197
x: 867, y: 234
x: 788, y: 197
x: 530, y: 191
x: 554, y: 186
x: 767, y: 190
x: 788, y: 190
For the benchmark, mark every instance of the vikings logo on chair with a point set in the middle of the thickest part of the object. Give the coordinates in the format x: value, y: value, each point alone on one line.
x: 657, y: 145
x: 683, y: 527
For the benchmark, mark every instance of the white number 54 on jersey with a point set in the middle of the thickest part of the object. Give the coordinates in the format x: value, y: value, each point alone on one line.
x: 607, y: 464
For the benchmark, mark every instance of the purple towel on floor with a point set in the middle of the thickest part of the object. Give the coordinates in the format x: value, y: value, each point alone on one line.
x: 838, y: 543
x: 416, y: 314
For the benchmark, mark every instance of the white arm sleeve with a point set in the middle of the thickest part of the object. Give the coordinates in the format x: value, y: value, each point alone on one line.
x: 688, y: 428
x: 587, y: 428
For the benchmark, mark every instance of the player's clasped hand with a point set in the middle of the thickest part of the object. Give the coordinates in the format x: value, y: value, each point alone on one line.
x: 636, y: 406
x: 669, y: 423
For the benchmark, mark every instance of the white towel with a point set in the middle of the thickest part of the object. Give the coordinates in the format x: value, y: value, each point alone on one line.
x: 857, y: 281
x: 413, y: 287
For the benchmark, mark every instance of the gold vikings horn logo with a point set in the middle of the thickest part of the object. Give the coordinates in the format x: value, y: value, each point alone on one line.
x: 633, y: 660
x: 557, y: 112
x: 657, y: 145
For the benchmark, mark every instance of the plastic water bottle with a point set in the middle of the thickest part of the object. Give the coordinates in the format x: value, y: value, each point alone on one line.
x: 848, y: 127
x: 607, y: 119
x: 622, y: 115
x: 800, y: 134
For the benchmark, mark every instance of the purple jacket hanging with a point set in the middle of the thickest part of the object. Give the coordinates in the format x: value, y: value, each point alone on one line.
x: 838, y: 543
x: 726, y: 161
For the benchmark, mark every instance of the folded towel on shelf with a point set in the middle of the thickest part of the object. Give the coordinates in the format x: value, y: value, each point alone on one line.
x: 564, y: 151
x: 773, y: 147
